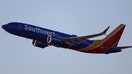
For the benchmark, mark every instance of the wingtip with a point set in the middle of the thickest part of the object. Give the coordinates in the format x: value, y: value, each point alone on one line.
x: 104, y: 32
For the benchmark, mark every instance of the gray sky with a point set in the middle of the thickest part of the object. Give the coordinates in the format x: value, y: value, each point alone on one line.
x: 81, y: 17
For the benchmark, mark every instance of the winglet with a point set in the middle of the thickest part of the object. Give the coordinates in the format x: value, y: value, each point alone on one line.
x: 104, y: 32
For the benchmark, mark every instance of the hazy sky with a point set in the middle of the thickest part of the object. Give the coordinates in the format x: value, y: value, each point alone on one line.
x: 80, y: 17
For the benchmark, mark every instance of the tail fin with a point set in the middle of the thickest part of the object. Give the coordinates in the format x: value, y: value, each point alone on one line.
x: 113, y: 38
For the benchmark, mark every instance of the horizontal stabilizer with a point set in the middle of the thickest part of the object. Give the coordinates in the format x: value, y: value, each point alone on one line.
x: 122, y: 47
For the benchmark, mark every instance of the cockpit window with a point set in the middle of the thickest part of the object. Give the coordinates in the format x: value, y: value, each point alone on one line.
x: 19, y: 26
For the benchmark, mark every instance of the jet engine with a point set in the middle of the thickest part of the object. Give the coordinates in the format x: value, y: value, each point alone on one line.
x: 42, y: 44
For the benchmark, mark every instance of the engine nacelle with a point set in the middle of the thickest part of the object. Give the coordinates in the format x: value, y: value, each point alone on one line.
x: 39, y: 44
x: 49, y: 39
x: 42, y: 44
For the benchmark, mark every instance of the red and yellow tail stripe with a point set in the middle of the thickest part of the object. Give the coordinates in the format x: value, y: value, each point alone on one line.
x: 102, y: 45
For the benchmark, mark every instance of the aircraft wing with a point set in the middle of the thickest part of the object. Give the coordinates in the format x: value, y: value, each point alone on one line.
x: 72, y: 40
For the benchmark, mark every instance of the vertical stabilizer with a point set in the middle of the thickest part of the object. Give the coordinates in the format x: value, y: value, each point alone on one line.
x: 113, y: 38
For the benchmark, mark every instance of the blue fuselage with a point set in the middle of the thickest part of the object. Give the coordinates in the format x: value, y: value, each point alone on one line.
x: 44, y: 37
x: 41, y: 34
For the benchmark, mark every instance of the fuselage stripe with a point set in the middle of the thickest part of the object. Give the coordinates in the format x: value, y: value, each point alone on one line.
x: 99, y: 43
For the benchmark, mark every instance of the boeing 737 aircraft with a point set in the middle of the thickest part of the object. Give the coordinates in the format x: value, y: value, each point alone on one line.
x: 44, y: 37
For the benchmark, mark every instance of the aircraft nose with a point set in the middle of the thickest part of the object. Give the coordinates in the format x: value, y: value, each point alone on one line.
x: 9, y: 28
x: 4, y: 27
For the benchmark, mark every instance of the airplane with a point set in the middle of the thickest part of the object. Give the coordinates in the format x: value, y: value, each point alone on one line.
x: 42, y: 37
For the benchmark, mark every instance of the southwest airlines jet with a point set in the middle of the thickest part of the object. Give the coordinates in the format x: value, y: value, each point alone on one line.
x: 44, y: 37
